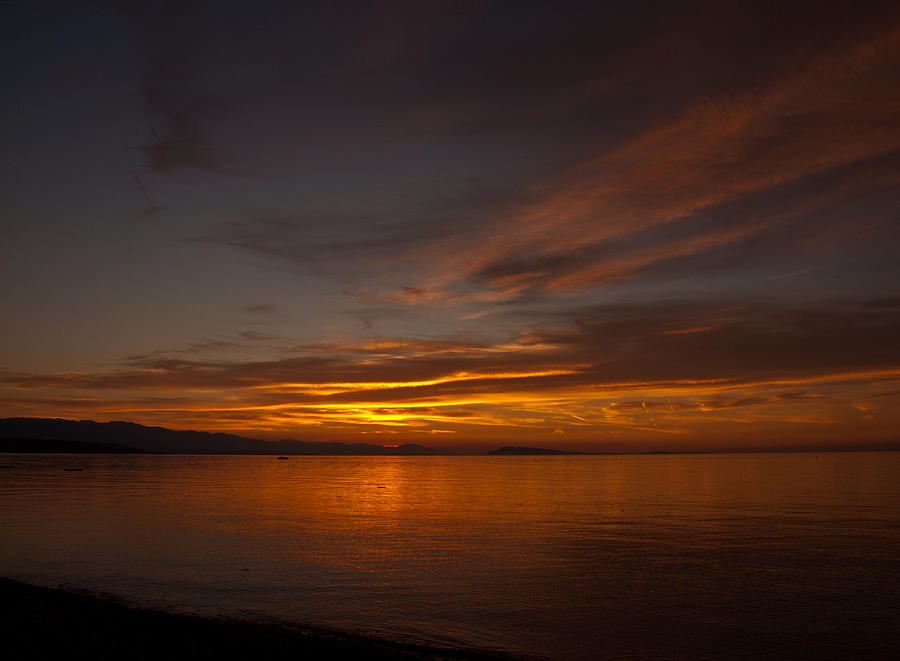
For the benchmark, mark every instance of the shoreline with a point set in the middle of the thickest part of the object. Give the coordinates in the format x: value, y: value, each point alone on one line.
x: 41, y: 623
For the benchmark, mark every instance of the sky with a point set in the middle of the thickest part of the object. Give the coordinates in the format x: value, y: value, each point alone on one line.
x: 619, y: 226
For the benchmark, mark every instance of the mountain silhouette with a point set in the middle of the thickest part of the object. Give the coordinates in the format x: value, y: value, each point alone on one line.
x: 57, y: 435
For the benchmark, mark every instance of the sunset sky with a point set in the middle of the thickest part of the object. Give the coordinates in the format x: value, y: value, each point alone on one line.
x: 587, y: 226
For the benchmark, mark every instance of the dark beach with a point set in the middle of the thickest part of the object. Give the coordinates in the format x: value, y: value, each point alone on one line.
x: 44, y: 623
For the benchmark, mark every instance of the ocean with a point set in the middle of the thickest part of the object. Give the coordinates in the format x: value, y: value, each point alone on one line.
x: 560, y: 557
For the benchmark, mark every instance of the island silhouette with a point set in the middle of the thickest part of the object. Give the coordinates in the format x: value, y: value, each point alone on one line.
x: 88, y: 436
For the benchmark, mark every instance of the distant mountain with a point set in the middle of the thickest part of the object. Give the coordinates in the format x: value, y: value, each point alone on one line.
x: 55, y: 445
x: 44, y: 432
x: 524, y: 450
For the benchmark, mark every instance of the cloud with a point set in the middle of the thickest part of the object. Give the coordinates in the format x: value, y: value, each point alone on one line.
x: 673, y: 147
x: 616, y: 367
x: 261, y: 309
x: 676, y: 341
x: 720, y: 173
x: 179, y: 109
x: 797, y: 165
x: 625, y: 222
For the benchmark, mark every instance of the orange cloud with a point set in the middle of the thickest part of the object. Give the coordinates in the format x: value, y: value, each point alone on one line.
x: 601, y: 221
x: 685, y: 371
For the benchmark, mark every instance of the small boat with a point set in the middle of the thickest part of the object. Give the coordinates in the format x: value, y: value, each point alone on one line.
x: 284, y: 457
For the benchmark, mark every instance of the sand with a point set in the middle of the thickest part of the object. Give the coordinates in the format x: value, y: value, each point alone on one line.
x: 43, y: 623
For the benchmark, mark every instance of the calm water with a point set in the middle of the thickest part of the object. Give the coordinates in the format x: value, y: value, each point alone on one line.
x: 572, y: 557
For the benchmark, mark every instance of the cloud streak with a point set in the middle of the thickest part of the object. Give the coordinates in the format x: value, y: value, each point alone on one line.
x: 799, y: 159
x: 467, y: 221
x: 719, y: 157
x: 635, y: 371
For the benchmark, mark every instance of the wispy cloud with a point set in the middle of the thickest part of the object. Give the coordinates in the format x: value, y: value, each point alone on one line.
x: 726, y: 170
x: 179, y: 110
x: 663, y: 369
x: 478, y: 220
x: 699, y: 178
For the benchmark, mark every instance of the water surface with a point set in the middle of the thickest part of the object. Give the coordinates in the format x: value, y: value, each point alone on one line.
x: 570, y: 557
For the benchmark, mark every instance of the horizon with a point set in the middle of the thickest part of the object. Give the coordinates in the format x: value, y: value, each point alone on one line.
x: 469, y: 449
x: 608, y: 227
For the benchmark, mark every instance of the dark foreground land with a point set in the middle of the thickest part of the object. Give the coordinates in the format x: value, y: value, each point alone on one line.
x: 42, y: 623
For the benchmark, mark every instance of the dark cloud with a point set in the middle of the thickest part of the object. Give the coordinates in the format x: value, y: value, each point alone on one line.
x: 644, y: 216
x: 378, y: 240
x: 819, y: 215
x: 747, y: 340
x: 261, y: 308
x: 685, y: 138
x: 179, y: 109
x: 607, y: 345
x: 255, y: 336
x: 725, y: 157
x: 887, y: 302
